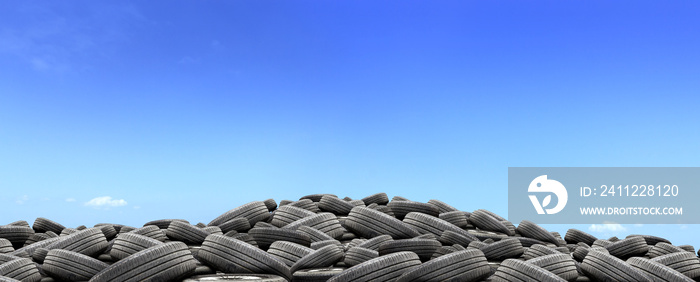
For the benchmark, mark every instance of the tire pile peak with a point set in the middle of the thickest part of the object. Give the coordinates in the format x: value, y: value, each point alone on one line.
x: 322, y: 237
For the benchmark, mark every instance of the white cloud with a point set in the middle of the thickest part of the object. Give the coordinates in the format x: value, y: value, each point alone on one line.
x: 70, y: 200
x: 22, y: 199
x: 607, y: 226
x: 684, y: 227
x: 105, y: 201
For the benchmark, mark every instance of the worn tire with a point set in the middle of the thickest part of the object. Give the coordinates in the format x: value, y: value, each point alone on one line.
x: 130, y: 243
x: 165, y: 262
x: 559, y: 264
x: 288, y: 252
x: 287, y: 214
x: 516, y: 270
x: 71, y: 266
x: 371, y: 223
x: 357, y: 255
x: 16, y: 234
x: 22, y: 269
x: 402, y: 208
x: 379, y: 199
x: 605, y: 267
x: 657, y: 271
x: 152, y: 231
x: 530, y: 229
x: 264, y: 237
x: 239, y: 224
x: 426, y: 224
x: 322, y: 257
x: 504, y: 249
x: 467, y: 265
x: 424, y: 248
x: 316, y: 274
x: 632, y: 246
x: 458, y: 218
x: 662, y: 248
x: 186, y: 232
x: 236, y: 277
x: 538, y: 250
x: 683, y: 262
x: 41, y: 225
x: 325, y: 222
x: 231, y: 255
x: 485, y: 220
x: 384, y: 268
x: 575, y: 236
x: 253, y: 211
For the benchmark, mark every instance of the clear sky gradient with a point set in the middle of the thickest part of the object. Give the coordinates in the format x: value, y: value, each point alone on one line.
x: 140, y: 110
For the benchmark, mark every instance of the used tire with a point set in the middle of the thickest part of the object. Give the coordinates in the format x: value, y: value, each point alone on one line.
x: 657, y: 271
x: 325, y: 222
x: 21, y: 269
x: 253, y: 211
x: 71, y: 266
x: 264, y: 237
x: 515, y: 270
x: 322, y: 257
x: 402, y: 208
x: 384, y: 268
x: 504, y: 249
x: 632, y: 246
x: 16, y: 234
x: 357, y: 255
x: 316, y: 274
x: 532, y: 230
x: 288, y: 214
x: 426, y: 224
x: 186, y: 232
x: 371, y: 223
x: 605, y: 267
x: 467, y: 265
x: 41, y: 225
x: 559, y: 264
x: 130, y: 243
x: 424, y: 248
x: 231, y: 255
x: 168, y: 261
x: 236, y: 277
x: 575, y: 236
x: 683, y: 262
x: 288, y: 252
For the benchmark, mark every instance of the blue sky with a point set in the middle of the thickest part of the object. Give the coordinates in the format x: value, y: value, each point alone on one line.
x: 187, y: 109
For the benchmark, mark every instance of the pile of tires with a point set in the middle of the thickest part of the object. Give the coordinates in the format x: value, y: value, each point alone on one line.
x: 323, y: 237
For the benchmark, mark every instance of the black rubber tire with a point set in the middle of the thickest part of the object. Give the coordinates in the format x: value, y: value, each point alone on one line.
x: 245, y: 238
x: 379, y: 199
x: 504, y: 249
x: 516, y: 270
x: 450, y: 238
x: 484, y: 220
x: 651, y: 240
x: 16, y: 234
x: 317, y: 274
x: 22, y: 269
x: 373, y: 244
x: 683, y: 262
x: 632, y: 246
x: 559, y: 264
x: 152, y: 231
x: 42, y: 225
x: 263, y: 224
x: 88, y: 242
x: 270, y: 204
x: 575, y: 236
x: 424, y: 248
x: 126, y: 228
x: 186, y: 232
x: 253, y: 211
x: 306, y: 204
x: 165, y: 262
x: 264, y: 237
x: 357, y: 255
x: 532, y: 230
x: 687, y: 248
x: 426, y: 224
x: 602, y: 243
x: 236, y: 277
x: 604, y: 267
x: 662, y: 248
x: 239, y: 224
x: 6, y: 245
x: 399, y: 198
x: 325, y: 222
x: 8, y: 279
x: 231, y: 255
x: 107, y: 229
x: 538, y: 250
x: 323, y: 257
x: 288, y: 214
x: 442, y: 206
x: 321, y: 244
x: 7, y: 257
x: 581, y: 252
x: 288, y: 252
x: 371, y: 223
x: 315, y: 234
x: 458, y: 218
x: 163, y: 223
x: 335, y: 205
x: 383, y: 268
x: 28, y: 251
x: 213, y: 230
x: 36, y: 237
x: 402, y: 208
x: 317, y: 197
x: 467, y: 265
x: 657, y: 271
x: 71, y: 266
x: 527, y: 242
x: 130, y: 243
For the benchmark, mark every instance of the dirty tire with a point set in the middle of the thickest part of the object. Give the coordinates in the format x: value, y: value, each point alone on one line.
x: 165, y: 262
x: 604, y: 267
x: 517, y: 270
x: 384, y: 268
x: 231, y: 255
x: 467, y: 265
x: 371, y: 223
x: 21, y: 269
x: 71, y: 266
